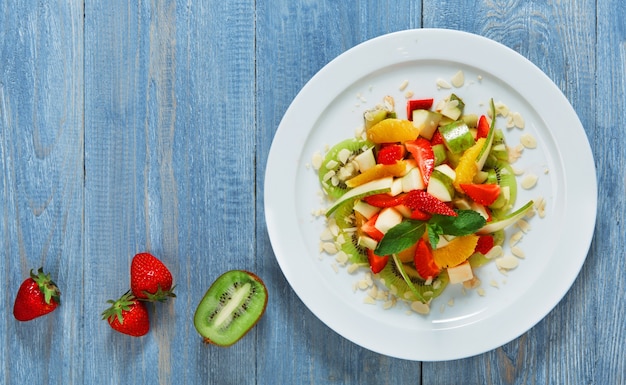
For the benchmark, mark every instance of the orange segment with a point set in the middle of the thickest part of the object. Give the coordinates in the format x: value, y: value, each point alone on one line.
x: 377, y: 172
x: 455, y: 252
x: 392, y: 131
x: 467, y: 169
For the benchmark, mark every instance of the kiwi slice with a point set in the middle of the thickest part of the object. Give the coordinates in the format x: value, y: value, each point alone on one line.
x: 505, y: 177
x: 392, y: 278
x: 356, y: 253
x: 339, y: 166
x: 344, y: 215
x: 231, y: 307
x: 498, y: 146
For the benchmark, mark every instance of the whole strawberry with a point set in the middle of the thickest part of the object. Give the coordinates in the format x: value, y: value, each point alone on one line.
x: 38, y: 295
x: 128, y: 315
x: 150, y: 279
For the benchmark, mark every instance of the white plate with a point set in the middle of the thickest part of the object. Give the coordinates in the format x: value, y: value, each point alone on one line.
x: 461, y: 323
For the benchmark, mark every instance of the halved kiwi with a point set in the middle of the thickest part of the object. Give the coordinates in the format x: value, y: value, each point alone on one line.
x: 338, y: 166
x: 392, y: 278
x: 231, y: 307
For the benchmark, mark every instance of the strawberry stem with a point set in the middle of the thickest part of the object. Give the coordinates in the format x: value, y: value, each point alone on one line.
x: 47, y: 286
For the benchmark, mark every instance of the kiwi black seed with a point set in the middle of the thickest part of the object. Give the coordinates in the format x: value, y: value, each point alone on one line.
x: 344, y: 215
x: 505, y: 177
x: 338, y: 166
x: 393, y: 280
x: 356, y: 253
x: 231, y: 307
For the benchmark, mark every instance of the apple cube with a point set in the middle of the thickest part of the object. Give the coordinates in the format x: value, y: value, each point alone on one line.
x: 387, y: 218
x: 460, y: 273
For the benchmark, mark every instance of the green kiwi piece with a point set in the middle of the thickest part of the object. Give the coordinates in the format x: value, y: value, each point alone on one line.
x: 231, y: 307
x: 334, y: 166
x: 478, y: 260
x: 356, y: 253
x: 344, y: 215
x: 392, y: 278
x: 376, y: 115
x: 505, y: 178
x: 498, y: 147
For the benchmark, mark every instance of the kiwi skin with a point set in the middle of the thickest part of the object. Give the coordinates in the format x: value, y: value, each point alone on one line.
x: 243, y: 317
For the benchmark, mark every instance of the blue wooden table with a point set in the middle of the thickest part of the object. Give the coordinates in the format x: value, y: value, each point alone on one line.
x: 132, y: 126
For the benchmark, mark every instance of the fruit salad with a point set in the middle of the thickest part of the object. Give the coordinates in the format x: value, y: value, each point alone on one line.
x: 421, y: 201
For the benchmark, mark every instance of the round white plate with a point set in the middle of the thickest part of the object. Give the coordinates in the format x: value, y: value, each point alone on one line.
x: 461, y: 323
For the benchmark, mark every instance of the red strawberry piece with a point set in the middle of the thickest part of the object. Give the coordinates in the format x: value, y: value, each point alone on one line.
x: 417, y: 104
x: 424, y: 262
x: 422, y: 200
x: 370, y: 229
x: 422, y: 152
x: 377, y: 263
x: 38, y: 295
x: 128, y: 315
x: 391, y: 153
x: 420, y: 215
x: 384, y: 200
x: 482, y: 128
x: 485, y: 194
x: 150, y: 279
x: 485, y: 243
x: 437, y: 138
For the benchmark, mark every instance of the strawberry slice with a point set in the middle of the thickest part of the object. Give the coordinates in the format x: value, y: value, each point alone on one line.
x: 377, y: 263
x: 422, y: 200
x: 485, y: 194
x: 482, y: 129
x: 384, y: 200
x: 424, y: 262
x: 417, y: 104
x: 422, y: 151
x: 390, y: 154
x: 437, y: 138
x: 370, y: 229
x: 420, y: 215
x: 485, y: 243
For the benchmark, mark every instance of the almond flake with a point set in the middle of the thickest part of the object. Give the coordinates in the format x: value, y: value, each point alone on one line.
x: 420, y: 307
x: 529, y: 181
x: 458, y: 79
x: 515, y: 238
x: 501, y: 109
x: 518, y: 120
x: 528, y: 141
x: 519, y: 253
x: 495, y: 252
x: 508, y: 262
x: 404, y: 85
x: 369, y: 300
x: 523, y: 225
x: 443, y: 84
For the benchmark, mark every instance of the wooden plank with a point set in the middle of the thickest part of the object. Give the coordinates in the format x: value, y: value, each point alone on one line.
x: 553, y: 36
x: 169, y: 169
x: 41, y: 156
x: 294, y: 41
x: 606, y: 301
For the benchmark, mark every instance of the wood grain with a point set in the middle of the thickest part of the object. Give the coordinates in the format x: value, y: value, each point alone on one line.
x: 41, y: 147
x: 132, y: 126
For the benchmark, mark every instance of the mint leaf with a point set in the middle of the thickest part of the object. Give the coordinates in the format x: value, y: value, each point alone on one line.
x: 434, y: 231
x: 400, y: 237
x: 466, y: 222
